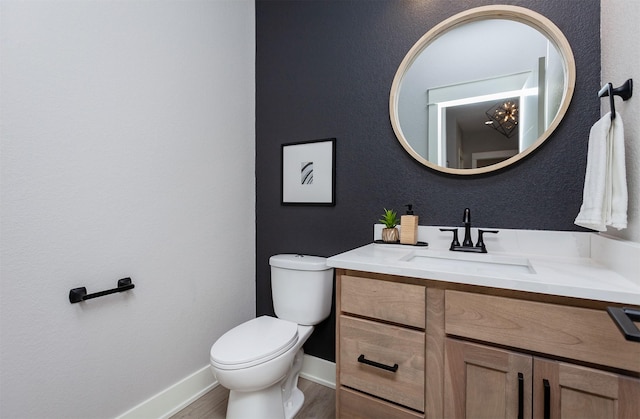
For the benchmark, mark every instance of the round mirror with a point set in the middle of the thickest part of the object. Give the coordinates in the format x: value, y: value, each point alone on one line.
x: 482, y: 89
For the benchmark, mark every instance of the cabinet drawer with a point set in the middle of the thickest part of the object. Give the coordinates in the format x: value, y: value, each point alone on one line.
x: 582, y: 334
x: 353, y: 405
x: 384, y: 300
x: 388, y: 345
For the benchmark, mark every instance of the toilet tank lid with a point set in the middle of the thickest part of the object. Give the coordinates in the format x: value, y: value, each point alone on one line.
x: 299, y: 262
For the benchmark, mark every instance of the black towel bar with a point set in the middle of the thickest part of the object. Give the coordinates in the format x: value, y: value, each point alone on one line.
x: 77, y: 295
x: 625, y: 92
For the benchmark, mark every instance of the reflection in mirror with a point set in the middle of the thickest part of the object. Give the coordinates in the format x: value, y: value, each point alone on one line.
x: 482, y: 89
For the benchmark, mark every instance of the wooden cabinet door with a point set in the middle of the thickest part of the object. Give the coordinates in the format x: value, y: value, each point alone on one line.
x: 565, y: 391
x: 483, y: 382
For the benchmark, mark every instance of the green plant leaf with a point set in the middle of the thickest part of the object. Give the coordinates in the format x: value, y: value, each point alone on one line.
x: 389, y: 218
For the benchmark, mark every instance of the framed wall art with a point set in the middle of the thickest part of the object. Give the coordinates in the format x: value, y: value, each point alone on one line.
x: 309, y: 173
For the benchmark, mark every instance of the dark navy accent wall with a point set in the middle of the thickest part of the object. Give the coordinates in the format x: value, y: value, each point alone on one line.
x: 324, y: 69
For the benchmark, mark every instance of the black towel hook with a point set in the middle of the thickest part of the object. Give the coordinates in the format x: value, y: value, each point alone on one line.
x: 625, y: 92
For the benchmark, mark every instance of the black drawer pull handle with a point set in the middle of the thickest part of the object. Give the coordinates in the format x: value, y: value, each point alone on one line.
x: 520, y: 396
x: 362, y: 360
x: 547, y: 399
x: 624, y: 318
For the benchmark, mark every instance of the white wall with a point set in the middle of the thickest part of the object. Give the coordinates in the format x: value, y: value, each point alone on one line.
x: 621, y: 61
x: 127, y: 149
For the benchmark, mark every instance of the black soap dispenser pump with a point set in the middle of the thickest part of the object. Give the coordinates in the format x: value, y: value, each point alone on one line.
x: 409, y: 227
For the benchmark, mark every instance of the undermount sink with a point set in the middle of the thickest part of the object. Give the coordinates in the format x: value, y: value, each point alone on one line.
x: 471, y: 263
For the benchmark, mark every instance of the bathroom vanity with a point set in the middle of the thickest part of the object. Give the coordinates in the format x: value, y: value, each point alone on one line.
x: 522, y: 331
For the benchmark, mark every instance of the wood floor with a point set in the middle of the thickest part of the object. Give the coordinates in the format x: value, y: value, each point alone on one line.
x: 319, y: 403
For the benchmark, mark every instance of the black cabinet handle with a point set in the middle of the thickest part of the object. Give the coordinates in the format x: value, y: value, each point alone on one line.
x: 624, y: 318
x: 547, y: 399
x: 520, y: 396
x: 362, y: 360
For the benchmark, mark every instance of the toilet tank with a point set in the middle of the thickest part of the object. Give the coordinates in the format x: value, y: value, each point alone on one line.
x: 301, y: 287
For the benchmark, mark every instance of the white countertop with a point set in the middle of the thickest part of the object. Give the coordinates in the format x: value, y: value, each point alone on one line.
x: 569, y: 273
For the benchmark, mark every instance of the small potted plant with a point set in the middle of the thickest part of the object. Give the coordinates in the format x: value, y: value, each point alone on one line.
x: 390, y: 221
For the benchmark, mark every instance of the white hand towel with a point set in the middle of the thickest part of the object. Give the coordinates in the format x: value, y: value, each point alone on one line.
x: 619, y: 197
x: 604, y: 198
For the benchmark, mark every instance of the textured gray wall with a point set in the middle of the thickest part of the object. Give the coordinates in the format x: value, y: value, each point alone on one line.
x: 324, y: 69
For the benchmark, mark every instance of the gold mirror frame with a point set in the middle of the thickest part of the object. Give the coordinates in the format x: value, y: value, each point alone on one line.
x: 514, y: 13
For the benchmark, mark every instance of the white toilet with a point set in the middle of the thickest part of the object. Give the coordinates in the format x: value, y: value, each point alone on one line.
x: 259, y: 360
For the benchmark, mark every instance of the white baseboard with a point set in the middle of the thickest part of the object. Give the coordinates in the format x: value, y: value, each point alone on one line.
x: 171, y: 400
x: 179, y: 395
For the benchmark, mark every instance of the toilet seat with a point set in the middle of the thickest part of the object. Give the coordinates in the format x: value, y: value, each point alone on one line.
x: 253, y: 342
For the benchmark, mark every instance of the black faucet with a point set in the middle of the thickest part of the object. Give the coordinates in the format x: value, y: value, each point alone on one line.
x: 467, y: 244
x: 466, y: 219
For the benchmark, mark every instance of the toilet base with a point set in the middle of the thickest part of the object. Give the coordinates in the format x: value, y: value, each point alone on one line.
x: 265, y: 403
x: 283, y: 400
x: 294, y: 404
x: 291, y: 394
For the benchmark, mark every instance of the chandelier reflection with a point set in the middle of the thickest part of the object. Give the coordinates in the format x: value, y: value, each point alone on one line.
x: 503, y: 117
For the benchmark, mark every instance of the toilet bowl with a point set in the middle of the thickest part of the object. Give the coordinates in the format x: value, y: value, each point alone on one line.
x: 260, y: 360
x: 271, y: 347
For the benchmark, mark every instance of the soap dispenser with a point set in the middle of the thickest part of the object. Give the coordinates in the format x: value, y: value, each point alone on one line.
x: 409, y: 227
